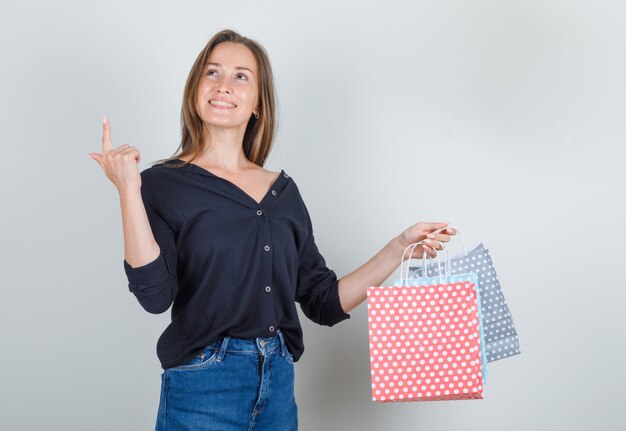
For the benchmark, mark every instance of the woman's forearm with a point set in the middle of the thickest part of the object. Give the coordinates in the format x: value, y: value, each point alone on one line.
x: 140, y: 247
x: 353, y: 287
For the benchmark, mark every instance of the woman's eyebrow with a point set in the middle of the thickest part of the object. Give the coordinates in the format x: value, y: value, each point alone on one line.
x: 238, y: 67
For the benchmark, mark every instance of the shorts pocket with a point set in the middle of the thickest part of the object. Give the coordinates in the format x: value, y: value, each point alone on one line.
x: 200, y: 361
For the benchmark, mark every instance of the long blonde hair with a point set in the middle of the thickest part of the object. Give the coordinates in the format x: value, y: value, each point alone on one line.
x: 260, y: 132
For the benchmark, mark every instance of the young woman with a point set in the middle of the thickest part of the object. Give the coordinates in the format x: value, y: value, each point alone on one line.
x: 229, y: 246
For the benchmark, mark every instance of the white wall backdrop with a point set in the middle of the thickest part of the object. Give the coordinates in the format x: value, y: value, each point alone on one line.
x: 505, y: 118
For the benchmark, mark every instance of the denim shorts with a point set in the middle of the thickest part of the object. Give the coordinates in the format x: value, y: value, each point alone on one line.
x: 233, y: 384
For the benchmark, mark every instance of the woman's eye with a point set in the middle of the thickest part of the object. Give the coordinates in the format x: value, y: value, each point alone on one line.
x: 210, y: 73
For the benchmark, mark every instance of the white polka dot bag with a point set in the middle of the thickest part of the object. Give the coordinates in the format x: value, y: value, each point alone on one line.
x: 501, y: 340
x: 425, y: 338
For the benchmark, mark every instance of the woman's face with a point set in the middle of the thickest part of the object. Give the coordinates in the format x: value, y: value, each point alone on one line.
x: 230, y: 76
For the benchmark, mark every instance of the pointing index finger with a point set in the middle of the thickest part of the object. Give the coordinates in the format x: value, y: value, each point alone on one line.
x: 106, y: 135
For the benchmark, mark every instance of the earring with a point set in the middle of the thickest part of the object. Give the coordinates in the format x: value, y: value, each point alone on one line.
x: 256, y: 115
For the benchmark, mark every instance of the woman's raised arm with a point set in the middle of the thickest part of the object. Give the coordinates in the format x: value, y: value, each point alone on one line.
x: 149, y: 256
x: 121, y: 167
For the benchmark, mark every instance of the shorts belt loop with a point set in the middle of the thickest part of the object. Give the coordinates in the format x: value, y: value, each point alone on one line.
x: 222, y: 351
x: 283, y: 347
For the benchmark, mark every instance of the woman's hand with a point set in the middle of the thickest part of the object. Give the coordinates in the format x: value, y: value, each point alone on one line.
x: 421, y: 231
x: 121, y: 164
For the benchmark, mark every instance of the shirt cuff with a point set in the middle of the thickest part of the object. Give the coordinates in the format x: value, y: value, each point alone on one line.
x: 335, y: 311
x: 150, y: 274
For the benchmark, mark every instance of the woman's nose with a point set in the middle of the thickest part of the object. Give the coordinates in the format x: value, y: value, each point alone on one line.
x: 223, y: 86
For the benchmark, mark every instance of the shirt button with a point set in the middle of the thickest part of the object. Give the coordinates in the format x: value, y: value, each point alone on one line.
x: 267, y: 248
x: 267, y: 288
x: 286, y: 176
x: 274, y: 192
x: 271, y: 328
x: 259, y: 212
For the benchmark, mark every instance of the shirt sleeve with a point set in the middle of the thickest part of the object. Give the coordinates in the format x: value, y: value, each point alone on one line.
x: 317, y: 289
x: 155, y: 284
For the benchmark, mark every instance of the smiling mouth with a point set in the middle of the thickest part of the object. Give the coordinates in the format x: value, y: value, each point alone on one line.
x: 222, y: 104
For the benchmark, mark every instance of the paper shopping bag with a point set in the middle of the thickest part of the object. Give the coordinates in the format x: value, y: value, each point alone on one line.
x: 425, y: 341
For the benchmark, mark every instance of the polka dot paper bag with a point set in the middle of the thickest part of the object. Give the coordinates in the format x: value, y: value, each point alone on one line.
x: 424, y: 340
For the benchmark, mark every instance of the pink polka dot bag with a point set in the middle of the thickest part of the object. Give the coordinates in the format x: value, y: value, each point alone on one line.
x: 425, y: 337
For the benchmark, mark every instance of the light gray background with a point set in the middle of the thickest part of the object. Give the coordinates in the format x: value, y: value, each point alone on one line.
x: 504, y: 118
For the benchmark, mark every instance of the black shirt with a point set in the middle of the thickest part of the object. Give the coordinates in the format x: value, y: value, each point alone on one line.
x: 229, y: 265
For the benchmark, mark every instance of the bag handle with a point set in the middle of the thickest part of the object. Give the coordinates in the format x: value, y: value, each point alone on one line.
x: 424, y: 265
x: 446, y: 261
x: 403, y: 279
x: 415, y: 244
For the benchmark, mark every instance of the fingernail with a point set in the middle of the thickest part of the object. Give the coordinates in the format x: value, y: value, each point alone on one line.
x: 104, y: 119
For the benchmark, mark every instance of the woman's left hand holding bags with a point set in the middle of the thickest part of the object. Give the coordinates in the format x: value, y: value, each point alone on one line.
x: 427, y: 231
